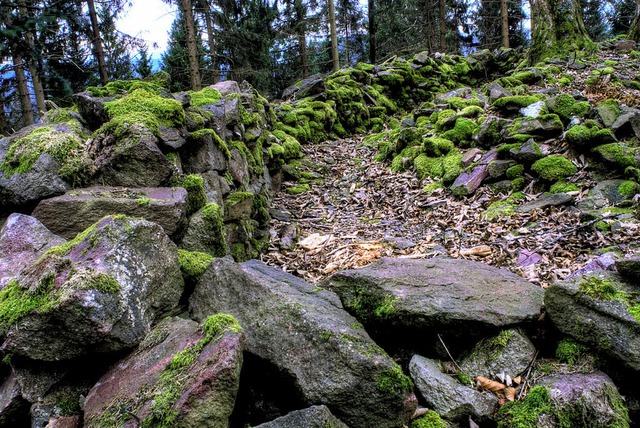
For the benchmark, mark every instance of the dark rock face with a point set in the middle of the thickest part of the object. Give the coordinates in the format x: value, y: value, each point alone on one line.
x: 312, y: 417
x: 92, y: 109
x: 98, y: 294
x: 13, y: 408
x: 629, y: 268
x: 202, y: 154
x: 447, y: 396
x: 588, y: 309
x: 164, y: 206
x: 305, y: 333
x: 440, y: 293
x: 23, y: 240
x: 154, y: 385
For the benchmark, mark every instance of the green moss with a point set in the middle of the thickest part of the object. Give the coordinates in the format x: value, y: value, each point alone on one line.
x: 429, y: 420
x: 525, y: 413
x: 196, y: 196
x: 503, y: 208
x: 168, y: 112
x: 16, y: 301
x: 453, y: 167
x: 464, y: 378
x: 193, y: 263
x: 515, y: 171
x: 518, y: 184
x: 296, y: 190
x: 237, y: 197
x: 554, y: 167
x: 212, y: 216
x: 563, y: 186
x: 570, y: 352
x: 436, y: 146
x: 428, y: 166
x: 121, y: 87
x: 628, y: 188
x: 619, y: 153
x: 565, y: 106
x: 432, y: 187
x: 515, y: 102
x: 101, y: 282
x: 471, y: 111
x: 599, y: 288
x: 206, y: 96
x: 290, y: 145
x: 462, y: 131
x: 64, y: 145
x: 394, y: 381
x: 216, y: 140
x: 129, y: 123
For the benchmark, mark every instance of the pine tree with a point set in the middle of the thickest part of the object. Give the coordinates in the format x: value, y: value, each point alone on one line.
x: 143, y: 67
x: 175, y: 60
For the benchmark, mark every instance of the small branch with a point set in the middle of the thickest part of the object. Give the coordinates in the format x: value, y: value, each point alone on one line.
x: 449, y: 354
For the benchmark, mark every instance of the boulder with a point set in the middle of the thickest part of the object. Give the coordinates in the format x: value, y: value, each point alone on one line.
x: 171, y: 138
x: 496, y: 91
x: 312, y: 85
x: 580, y: 397
x: 14, y: 409
x: 97, y: 293
x: 597, y: 309
x: 545, y: 126
x: 629, y: 268
x: 205, y: 232
x: 489, y: 133
x: 534, y: 110
x: 438, y: 294
x: 226, y: 113
x: 203, y: 152
x: 312, y: 417
x: 92, y: 109
x: 529, y: 152
x: 182, y: 375
x: 627, y: 124
x: 304, y: 332
x: 605, y: 194
x: 161, y: 205
x: 544, y: 201
x: 132, y: 161
x: 448, y: 397
x: 23, y: 239
x: 64, y: 422
x: 607, y: 113
x: 509, y: 352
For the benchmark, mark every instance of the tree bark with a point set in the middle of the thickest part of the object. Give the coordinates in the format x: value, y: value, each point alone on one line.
x: 442, y: 23
x: 192, y: 44
x: 504, y: 23
x: 557, y: 29
x: 301, y: 30
x: 38, y: 89
x: 634, y: 29
x: 4, y: 124
x: 334, y: 37
x: 212, y: 44
x: 371, y: 11
x: 98, y: 49
x: 23, y: 90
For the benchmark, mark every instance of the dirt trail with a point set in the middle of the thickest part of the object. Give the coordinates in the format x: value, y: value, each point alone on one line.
x: 359, y: 211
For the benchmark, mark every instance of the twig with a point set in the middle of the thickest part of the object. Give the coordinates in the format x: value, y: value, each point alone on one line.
x: 449, y: 354
x: 526, y: 377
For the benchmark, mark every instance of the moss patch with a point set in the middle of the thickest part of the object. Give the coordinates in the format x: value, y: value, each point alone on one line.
x: 196, y: 196
x: 554, y: 167
x: 394, y: 381
x: 429, y: 420
x: 206, y: 96
x: 168, y: 112
x: 193, y: 263
x: 212, y: 215
x: 525, y: 413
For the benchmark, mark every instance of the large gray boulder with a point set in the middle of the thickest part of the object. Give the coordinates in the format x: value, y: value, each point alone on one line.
x: 23, y: 239
x: 204, y: 152
x: 311, y: 417
x: 132, y: 160
x: 162, y: 205
x: 597, y: 309
x: 182, y: 375
x: 97, y: 293
x: 439, y: 293
x: 304, y: 332
x: 446, y: 396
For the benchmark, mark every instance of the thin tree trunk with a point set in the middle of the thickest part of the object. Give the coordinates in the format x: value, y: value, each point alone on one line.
x: 33, y: 69
x: 504, y: 23
x: 98, y: 49
x: 23, y: 90
x: 634, y: 29
x: 192, y: 44
x: 212, y: 44
x: 4, y: 124
x: 442, y: 17
x: 301, y: 28
x: 372, y: 31
x: 346, y: 40
x: 334, y: 37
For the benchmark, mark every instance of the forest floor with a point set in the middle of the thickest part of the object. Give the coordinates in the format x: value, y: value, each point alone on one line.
x: 358, y: 210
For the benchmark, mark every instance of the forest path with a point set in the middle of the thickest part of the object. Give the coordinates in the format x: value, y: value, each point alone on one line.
x: 358, y: 210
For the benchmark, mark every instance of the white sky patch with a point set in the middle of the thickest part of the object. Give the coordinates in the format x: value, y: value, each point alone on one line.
x: 149, y: 20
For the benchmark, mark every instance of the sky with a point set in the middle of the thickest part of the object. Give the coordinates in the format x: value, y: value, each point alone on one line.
x: 149, y: 20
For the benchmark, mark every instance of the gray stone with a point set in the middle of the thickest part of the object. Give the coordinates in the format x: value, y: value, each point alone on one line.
x: 606, y: 114
x: 625, y: 45
x: 439, y: 293
x: 529, y: 152
x: 604, y: 324
x: 238, y: 209
x: 627, y: 124
x: 227, y: 87
x: 205, y: 235
x: 310, y: 86
x: 496, y: 91
x: 459, y: 93
x: 544, y: 127
x: 305, y: 333
x: 312, y: 417
x: 36, y: 379
x: 162, y: 205
x: 64, y: 422
x: 498, y: 168
x: 605, y: 194
x: 23, y: 239
x: 101, y: 294
x: 202, y: 154
x: 544, y: 201
x: 171, y: 138
x: 510, y: 352
x: 629, y: 268
x: 92, y: 109
x: 205, y: 391
x: 585, y: 397
x: 534, y: 110
x: 131, y: 161
x: 446, y: 396
x: 238, y: 167
x: 606, y: 261
x: 489, y: 133
x: 13, y: 408
x: 468, y: 182
x: 212, y: 187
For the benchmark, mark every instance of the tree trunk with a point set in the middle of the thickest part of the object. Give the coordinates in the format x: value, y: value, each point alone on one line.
x: 4, y: 124
x: 557, y: 29
x: 98, y: 50
x: 212, y: 44
x: 301, y: 29
x: 32, y: 62
x: 192, y: 44
x: 634, y: 29
x: 372, y: 31
x: 334, y: 37
x: 442, y: 22
x: 504, y: 23
x: 23, y: 90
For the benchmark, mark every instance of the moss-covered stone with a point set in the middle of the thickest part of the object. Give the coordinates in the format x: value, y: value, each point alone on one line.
x: 515, y: 102
x: 565, y: 106
x: 462, y: 132
x: 428, y: 166
x: 212, y: 216
x: 628, y: 189
x: 515, y: 171
x: 217, y: 141
x: 429, y: 420
x: 205, y: 96
x: 621, y: 154
x: 526, y: 413
x: 196, y: 196
x: 554, y: 167
x: 563, y: 186
x: 167, y: 111
x: 193, y: 263
x: 296, y: 190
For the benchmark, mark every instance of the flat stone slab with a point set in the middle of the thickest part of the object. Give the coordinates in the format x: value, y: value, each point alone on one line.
x: 545, y: 201
x: 312, y: 417
x: 71, y: 213
x: 439, y: 293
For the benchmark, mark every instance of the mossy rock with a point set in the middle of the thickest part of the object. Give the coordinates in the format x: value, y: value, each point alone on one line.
x: 514, y: 103
x: 554, y: 167
x: 621, y: 154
